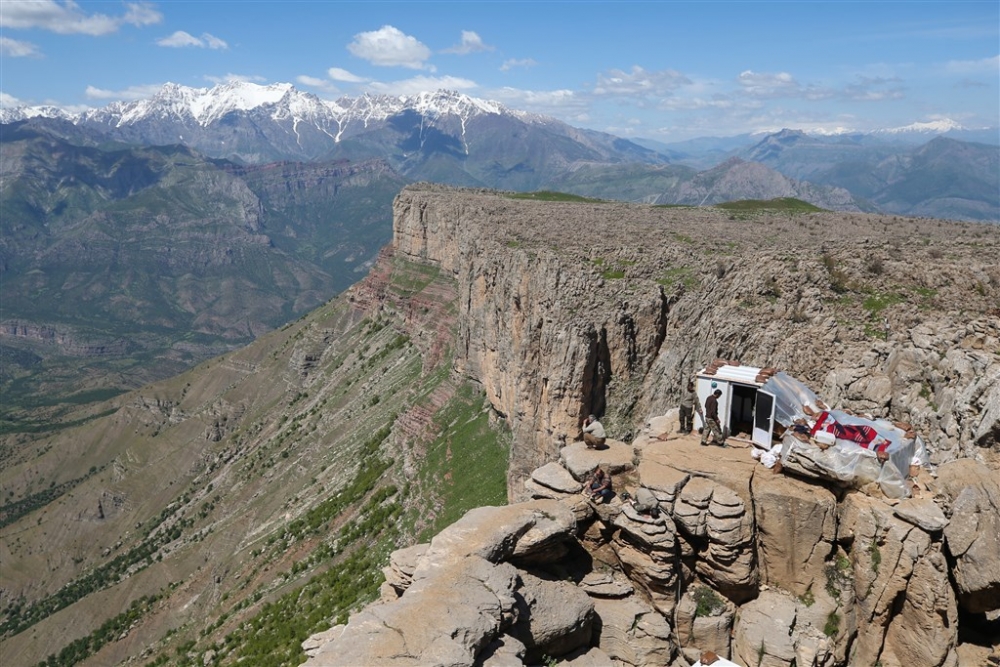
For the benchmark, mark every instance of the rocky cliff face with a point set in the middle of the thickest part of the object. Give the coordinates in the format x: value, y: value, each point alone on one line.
x: 571, y: 308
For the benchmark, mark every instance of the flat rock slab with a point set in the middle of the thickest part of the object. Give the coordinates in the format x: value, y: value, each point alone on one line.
x: 923, y: 513
x: 580, y: 461
x: 606, y: 584
x: 656, y: 475
x: 732, y: 467
x: 557, y: 478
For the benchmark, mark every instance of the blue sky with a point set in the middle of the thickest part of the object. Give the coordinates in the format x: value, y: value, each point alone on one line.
x: 660, y: 70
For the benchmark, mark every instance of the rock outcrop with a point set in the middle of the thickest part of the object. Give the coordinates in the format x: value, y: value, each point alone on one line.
x: 750, y: 564
x: 557, y: 325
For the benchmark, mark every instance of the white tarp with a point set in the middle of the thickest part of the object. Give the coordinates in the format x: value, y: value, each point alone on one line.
x: 863, y: 449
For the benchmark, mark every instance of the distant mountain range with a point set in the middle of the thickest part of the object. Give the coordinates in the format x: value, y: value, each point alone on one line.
x: 176, y: 227
x: 449, y: 137
x: 165, y: 257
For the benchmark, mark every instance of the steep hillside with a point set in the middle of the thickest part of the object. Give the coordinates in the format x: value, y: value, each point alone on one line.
x: 226, y: 488
x: 133, y: 264
x: 238, y: 507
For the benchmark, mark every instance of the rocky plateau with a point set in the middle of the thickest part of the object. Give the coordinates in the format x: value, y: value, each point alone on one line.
x: 550, y: 310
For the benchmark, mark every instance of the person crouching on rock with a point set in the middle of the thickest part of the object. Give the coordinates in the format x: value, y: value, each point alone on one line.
x: 599, y: 487
x: 593, y: 433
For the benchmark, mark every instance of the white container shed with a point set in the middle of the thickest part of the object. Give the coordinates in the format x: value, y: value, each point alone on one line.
x: 743, y: 407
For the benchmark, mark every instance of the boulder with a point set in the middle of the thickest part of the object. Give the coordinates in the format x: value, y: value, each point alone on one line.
x: 588, y: 657
x: 399, y: 572
x: 663, y: 480
x: 923, y: 513
x: 972, y: 535
x: 580, y: 461
x: 446, y: 619
x: 767, y: 634
x: 925, y: 631
x: 606, y: 583
x: 499, y: 533
x: 704, y: 620
x: 505, y: 651
x: 883, y: 552
x: 714, y: 512
x: 633, y: 633
x: 554, y: 617
x: 796, y: 528
x: 555, y: 477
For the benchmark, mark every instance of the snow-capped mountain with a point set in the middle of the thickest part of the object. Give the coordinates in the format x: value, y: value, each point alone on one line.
x: 444, y: 135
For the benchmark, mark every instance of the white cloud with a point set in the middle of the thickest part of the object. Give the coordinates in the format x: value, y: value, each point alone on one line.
x: 471, y: 43
x: 213, y: 42
x: 873, y: 89
x: 234, y: 78
x: 17, y: 49
x: 420, y: 84
x: 8, y: 101
x: 762, y: 84
x: 986, y: 65
x: 639, y: 83
x: 323, y: 85
x: 390, y: 47
x: 514, y: 62
x: 181, y: 39
x: 563, y: 103
x: 68, y: 18
x: 697, y: 102
x: 129, y: 94
x: 338, y: 74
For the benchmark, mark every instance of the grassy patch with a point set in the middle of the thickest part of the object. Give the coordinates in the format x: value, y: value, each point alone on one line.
x: 549, y: 195
x: 783, y: 204
x: 466, y: 465
x: 678, y: 276
x: 876, y: 303
x: 708, y: 602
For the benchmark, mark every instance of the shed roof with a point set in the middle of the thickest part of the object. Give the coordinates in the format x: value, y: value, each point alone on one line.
x: 731, y: 373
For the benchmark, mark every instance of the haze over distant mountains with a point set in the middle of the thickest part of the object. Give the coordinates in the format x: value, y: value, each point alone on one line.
x: 452, y: 138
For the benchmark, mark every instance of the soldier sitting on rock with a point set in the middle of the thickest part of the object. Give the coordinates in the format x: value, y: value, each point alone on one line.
x: 599, y: 487
x: 593, y: 433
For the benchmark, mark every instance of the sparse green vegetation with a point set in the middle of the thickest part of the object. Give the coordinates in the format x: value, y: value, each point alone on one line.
x: 466, y: 465
x: 782, y: 205
x: 838, y: 575
x: 875, y: 555
x: 876, y: 303
x: 832, y: 627
x: 678, y: 276
x: 548, y: 195
x: 839, y: 281
x: 708, y: 602
x: 81, y: 649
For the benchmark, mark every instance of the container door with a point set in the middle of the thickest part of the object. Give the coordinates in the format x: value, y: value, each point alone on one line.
x: 763, y: 419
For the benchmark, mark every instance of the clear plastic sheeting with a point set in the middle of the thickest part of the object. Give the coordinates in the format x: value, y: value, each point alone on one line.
x: 838, y: 445
x: 790, y: 397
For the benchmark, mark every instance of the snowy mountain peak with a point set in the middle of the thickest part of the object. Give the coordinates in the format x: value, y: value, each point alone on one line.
x: 205, y: 106
x: 939, y: 126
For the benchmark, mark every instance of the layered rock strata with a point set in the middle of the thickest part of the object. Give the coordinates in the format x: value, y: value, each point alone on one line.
x: 757, y: 566
x: 566, y: 309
